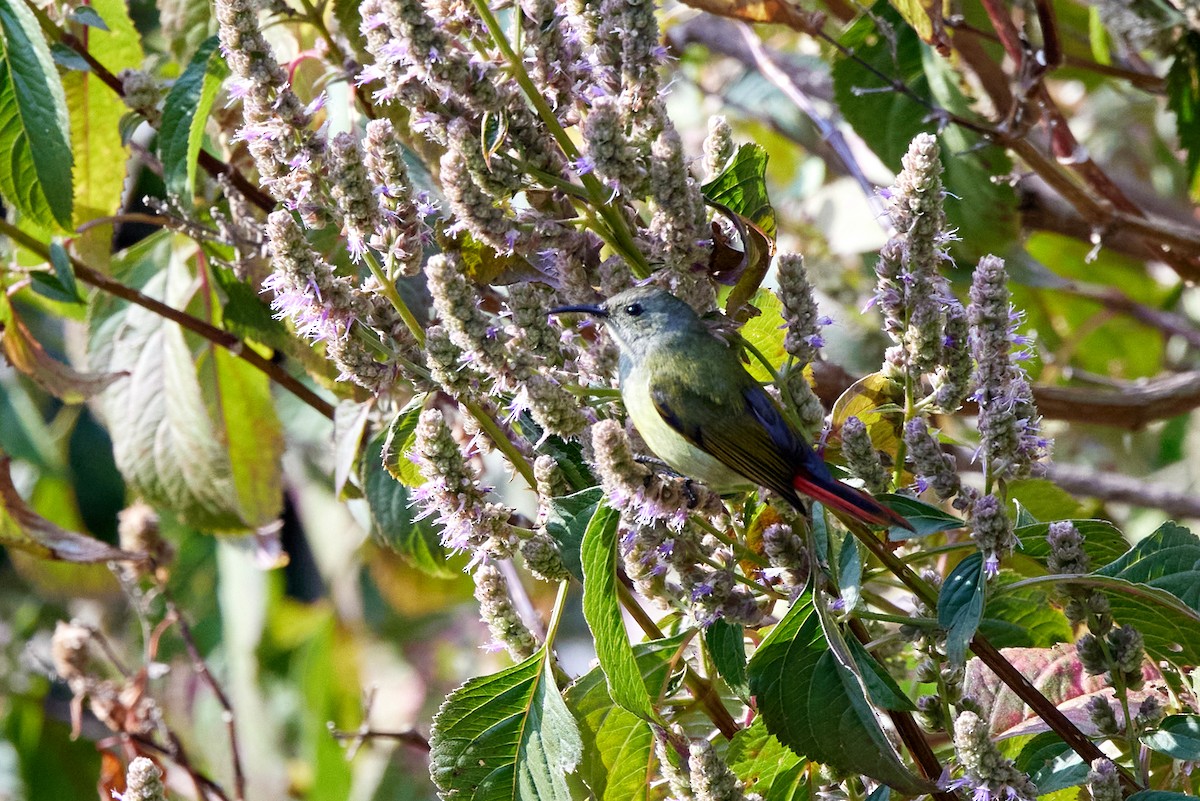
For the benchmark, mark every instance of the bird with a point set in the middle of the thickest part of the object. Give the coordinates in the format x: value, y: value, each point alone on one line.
x: 705, y: 416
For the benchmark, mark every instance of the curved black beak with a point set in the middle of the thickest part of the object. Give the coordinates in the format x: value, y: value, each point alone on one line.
x: 584, y: 308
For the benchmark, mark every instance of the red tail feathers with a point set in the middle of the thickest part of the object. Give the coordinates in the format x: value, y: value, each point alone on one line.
x: 853, y: 502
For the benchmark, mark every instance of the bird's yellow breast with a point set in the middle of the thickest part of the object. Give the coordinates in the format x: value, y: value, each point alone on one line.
x: 668, y: 444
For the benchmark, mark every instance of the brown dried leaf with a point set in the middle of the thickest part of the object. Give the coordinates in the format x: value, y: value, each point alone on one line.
x: 28, y: 356
x: 23, y: 528
x: 779, y: 12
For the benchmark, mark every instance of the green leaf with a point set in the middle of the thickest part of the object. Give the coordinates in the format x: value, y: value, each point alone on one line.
x: 172, y: 415
x: 1183, y: 98
x: 26, y: 354
x: 349, y: 425
x: 766, y: 333
x: 100, y: 155
x: 742, y: 187
x: 602, y: 610
x: 882, y: 689
x: 1177, y: 736
x: 925, y: 518
x: 392, y: 523
x: 566, y: 522
x: 1051, y: 764
x: 1102, y: 541
x: 618, y: 746
x: 87, y: 15
x: 505, y: 736
x: 246, y: 315
x: 69, y: 58
x: 1167, y: 624
x: 849, y: 572
x: 765, y: 766
x: 727, y: 647
x: 1044, y: 499
x: 34, y: 124
x: 1024, y: 516
x: 960, y: 605
x: 401, y: 437
x: 816, y: 707
x: 185, y: 113
x: 1024, y: 618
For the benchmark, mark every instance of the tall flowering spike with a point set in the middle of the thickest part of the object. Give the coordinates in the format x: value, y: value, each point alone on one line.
x: 1066, y: 550
x: 323, y: 306
x: 497, y: 610
x: 891, y: 296
x: 609, y: 152
x: 552, y: 407
x: 915, y: 206
x: 531, y: 331
x: 785, y: 551
x: 326, y: 308
x: 354, y: 193
x: 446, y: 363
x: 1103, y: 781
x: 452, y: 492
x: 471, y: 329
x: 631, y: 487
x: 678, y: 225
x: 287, y: 153
x: 934, y: 468
x: 496, y: 176
x: 952, y: 381
x: 861, y: 456
x: 143, y: 94
x: 804, y: 322
x: 993, y: 776
x: 402, y: 233
x: 555, y: 52
x: 1011, y: 441
x: 992, y: 531
x: 718, y: 146
x: 475, y: 209
x: 711, y: 778
x: 627, y: 47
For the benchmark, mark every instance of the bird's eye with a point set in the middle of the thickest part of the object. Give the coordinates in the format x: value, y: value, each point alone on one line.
x: 633, y: 309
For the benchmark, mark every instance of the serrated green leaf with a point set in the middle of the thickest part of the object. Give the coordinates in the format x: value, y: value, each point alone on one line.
x: 882, y: 689
x: 1024, y: 618
x: 1183, y: 98
x: 925, y: 518
x: 765, y: 766
x: 252, y: 434
x: 742, y: 187
x: 766, y: 333
x: 1178, y: 736
x: 618, y: 746
x: 849, y: 572
x: 100, y: 156
x: 1052, y: 764
x: 960, y: 605
x: 602, y: 610
x: 566, y: 522
x: 505, y: 736
x: 185, y: 113
x: 1024, y: 516
x: 727, y: 647
x: 87, y: 15
x: 401, y: 437
x: 1044, y: 499
x: 34, y: 124
x: 417, y: 541
x: 169, y: 432
x: 816, y: 707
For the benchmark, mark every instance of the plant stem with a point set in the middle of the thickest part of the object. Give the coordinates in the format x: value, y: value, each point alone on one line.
x: 393, y: 295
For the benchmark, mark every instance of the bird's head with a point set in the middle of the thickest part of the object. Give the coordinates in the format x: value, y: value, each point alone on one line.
x: 642, y: 317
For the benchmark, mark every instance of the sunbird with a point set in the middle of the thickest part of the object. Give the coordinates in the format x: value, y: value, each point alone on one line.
x: 700, y: 411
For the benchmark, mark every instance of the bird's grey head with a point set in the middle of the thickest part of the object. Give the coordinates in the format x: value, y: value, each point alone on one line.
x: 643, y: 318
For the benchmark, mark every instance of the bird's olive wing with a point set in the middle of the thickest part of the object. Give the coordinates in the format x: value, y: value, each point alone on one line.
x: 747, y: 433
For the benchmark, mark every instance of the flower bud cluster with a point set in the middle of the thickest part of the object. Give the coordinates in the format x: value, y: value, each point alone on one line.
x: 452, y: 491
x: 498, y: 612
x: 987, y: 771
x: 861, y: 456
